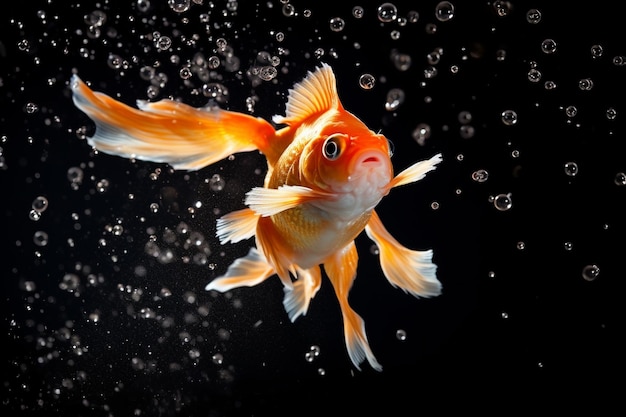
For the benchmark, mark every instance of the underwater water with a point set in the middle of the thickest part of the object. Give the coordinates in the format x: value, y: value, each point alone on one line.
x: 104, y: 260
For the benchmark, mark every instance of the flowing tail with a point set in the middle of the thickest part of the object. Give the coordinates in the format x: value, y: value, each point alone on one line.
x: 168, y: 131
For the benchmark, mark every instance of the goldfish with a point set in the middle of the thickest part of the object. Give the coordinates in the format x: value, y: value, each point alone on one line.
x: 326, y: 173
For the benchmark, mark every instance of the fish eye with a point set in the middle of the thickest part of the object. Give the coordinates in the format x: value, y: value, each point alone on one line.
x: 392, y: 148
x: 331, y: 148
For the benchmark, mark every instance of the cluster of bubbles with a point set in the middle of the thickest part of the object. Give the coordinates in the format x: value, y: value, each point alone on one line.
x: 208, y: 65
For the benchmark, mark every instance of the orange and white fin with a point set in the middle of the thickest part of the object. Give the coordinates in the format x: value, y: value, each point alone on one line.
x: 237, y: 226
x: 168, y: 131
x: 247, y: 271
x: 416, y: 171
x: 269, y: 201
x: 341, y: 270
x: 312, y: 96
x: 304, y: 288
x: 413, y: 271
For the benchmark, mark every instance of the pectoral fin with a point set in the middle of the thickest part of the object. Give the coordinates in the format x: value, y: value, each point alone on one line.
x: 411, y: 270
x: 237, y: 226
x: 416, y: 171
x: 270, y: 201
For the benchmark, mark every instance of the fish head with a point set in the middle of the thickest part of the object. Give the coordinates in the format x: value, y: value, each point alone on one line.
x: 345, y: 156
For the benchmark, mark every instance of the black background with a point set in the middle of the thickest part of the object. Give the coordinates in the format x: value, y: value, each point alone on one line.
x: 514, y: 328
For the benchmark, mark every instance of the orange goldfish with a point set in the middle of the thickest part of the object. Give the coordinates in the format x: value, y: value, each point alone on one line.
x: 326, y: 173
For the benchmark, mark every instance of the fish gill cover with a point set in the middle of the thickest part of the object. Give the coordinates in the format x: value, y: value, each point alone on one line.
x: 104, y: 260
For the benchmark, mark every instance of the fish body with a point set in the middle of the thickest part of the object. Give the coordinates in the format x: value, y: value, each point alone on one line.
x: 327, y: 171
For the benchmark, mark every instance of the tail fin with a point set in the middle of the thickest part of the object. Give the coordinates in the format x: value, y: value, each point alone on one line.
x: 341, y: 270
x: 168, y: 131
x: 411, y: 270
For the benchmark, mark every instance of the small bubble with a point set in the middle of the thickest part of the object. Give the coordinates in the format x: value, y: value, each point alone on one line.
x: 611, y: 113
x: 34, y: 215
x: 40, y: 204
x: 571, y: 169
x: 503, y: 202
x: 619, y: 60
x: 401, y: 334
x: 467, y: 131
x: 480, y: 175
x: 387, y: 12
x: 509, y: 117
x: 367, y: 81
x: 337, y: 24
x: 585, y: 84
x: 520, y: 245
x: 444, y: 11
x: 568, y: 246
x: 534, y: 75
x: 533, y: 16
x: 216, y: 183
x: 434, y: 205
x: 548, y: 46
x: 163, y: 43
x: 357, y: 12
x: 179, y: 6
x: 102, y: 186
x: 40, y: 238
x: 571, y: 111
x: 504, y: 315
x: 590, y: 272
x: 421, y: 133
x: 312, y: 353
x: 597, y: 51
x: 620, y: 179
x: 395, y: 97
x: 31, y: 108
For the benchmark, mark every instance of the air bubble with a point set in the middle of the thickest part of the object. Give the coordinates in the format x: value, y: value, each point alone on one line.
x: 533, y: 16
x: 357, y: 12
x: 312, y: 353
x: 597, y: 51
x: 444, y: 11
x: 585, y: 84
x: 620, y: 179
x: 216, y: 182
x: 367, y: 81
x: 611, y: 113
x: 509, y: 117
x: 480, y: 175
x: 401, y: 334
x: 590, y: 272
x: 571, y: 169
x: 387, y: 12
x: 217, y: 358
x: 395, y: 97
x: 548, y: 46
x: 503, y: 202
x: 40, y: 238
x: 179, y: 6
x: 40, y: 204
x: 571, y: 111
x: 421, y: 133
x: 337, y: 24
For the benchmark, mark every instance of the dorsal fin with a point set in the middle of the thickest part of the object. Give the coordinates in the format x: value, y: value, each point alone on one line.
x: 311, y: 96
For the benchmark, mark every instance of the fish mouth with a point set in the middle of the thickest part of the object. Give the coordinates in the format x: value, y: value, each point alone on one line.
x: 373, y: 165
